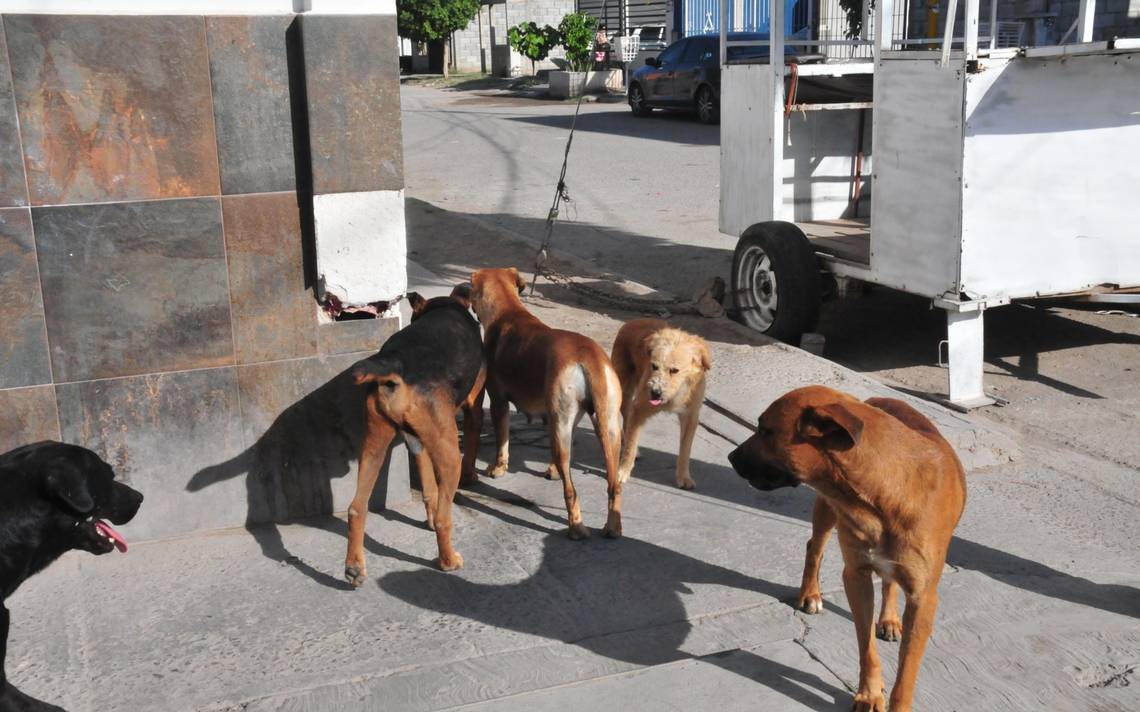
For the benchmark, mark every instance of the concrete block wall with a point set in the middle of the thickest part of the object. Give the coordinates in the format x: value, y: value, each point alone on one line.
x: 161, y: 180
x: 497, y: 19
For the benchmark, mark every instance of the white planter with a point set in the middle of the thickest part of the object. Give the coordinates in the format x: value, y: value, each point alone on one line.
x: 564, y: 85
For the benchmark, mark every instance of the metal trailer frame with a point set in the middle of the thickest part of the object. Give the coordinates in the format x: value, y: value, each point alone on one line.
x: 1001, y: 174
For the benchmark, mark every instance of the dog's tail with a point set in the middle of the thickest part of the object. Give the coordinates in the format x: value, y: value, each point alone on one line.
x: 604, y: 389
x: 605, y: 393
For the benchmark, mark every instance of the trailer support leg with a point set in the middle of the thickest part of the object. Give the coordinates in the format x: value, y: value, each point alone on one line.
x: 965, y: 337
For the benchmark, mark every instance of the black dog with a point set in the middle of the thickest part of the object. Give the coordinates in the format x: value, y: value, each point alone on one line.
x: 53, y: 498
x: 422, y: 375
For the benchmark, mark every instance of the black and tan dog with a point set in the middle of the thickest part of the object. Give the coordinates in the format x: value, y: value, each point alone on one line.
x: 894, y: 488
x: 422, y: 375
x: 53, y: 498
x: 547, y: 372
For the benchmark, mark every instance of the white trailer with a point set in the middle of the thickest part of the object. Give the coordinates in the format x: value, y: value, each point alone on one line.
x: 993, y: 174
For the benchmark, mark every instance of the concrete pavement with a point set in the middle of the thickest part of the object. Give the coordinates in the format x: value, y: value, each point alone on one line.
x: 1040, y: 604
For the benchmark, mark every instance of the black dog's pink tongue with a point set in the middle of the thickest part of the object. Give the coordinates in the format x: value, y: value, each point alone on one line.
x: 108, y: 531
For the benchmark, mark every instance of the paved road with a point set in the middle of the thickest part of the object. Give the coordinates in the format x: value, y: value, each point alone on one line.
x: 644, y: 191
x: 1039, y: 606
x: 646, y: 199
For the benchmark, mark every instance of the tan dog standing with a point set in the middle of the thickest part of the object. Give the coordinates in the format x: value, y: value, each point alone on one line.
x: 662, y: 370
x: 547, y: 372
x: 896, y: 490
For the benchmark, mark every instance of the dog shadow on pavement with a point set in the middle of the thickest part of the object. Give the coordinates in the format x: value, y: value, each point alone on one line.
x: 290, y: 468
x: 623, y: 600
x: 1003, y: 566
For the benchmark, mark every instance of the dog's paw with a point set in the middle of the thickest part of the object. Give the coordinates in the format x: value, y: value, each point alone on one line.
x: 889, y: 630
x: 552, y: 472
x: 578, y: 532
x: 686, y: 483
x: 452, y: 563
x: 469, y: 479
x: 811, y: 603
x: 866, y: 701
x: 612, y: 530
x: 497, y: 470
x: 355, y: 575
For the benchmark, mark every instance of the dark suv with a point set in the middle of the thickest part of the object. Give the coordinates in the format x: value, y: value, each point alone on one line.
x: 686, y: 75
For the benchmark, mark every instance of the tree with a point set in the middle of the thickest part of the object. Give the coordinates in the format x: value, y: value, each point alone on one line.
x: 577, y: 32
x: 434, y: 20
x: 532, y: 42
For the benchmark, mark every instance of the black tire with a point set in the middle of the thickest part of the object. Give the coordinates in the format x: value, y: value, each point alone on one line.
x: 637, y: 101
x: 708, y: 109
x: 775, y: 281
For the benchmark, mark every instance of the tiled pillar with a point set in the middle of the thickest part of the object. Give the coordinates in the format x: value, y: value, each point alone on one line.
x: 158, y: 308
x: 352, y: 89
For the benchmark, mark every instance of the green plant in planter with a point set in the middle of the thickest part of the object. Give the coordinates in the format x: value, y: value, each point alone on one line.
x: 532, y: 42
x: 577, y: 32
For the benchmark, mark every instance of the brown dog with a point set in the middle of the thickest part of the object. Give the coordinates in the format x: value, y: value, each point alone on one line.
x: 662, y: 370
x: 895, y: 489
x: 548, y: 372
x: 422, y: 375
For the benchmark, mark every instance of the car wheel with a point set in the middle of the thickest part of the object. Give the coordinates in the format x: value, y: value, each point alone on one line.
x: 637, y: 101
x: 775, y: 281
x: 707, y: 110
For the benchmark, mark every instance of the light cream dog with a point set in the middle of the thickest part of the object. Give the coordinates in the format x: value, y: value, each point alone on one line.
x: 662, y: 370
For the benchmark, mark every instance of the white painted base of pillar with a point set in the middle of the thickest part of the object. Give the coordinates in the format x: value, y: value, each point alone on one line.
x: 362, y: 252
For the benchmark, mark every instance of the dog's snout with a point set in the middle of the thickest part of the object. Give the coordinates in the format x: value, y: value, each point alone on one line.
x: 655, y: 393
x: 126, y: 505
x: 734, y: 459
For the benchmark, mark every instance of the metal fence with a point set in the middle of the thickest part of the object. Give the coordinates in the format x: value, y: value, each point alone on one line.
x: 703, y: 16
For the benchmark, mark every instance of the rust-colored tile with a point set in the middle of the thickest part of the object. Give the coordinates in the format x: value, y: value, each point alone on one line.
x: 275, y: 317
x: 356, y: 335
x: 23, y: 341
x: 113, y: 107
x: 27, y: 415
x: 13, y: 191
x: 250, y: 78
x: 132, y: 288
x: 159, y: 431
x: 353, y: 88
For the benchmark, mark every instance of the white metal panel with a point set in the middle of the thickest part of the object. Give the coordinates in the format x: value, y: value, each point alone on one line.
x: 817, y: 156
x: 916, y: 202
x: 1085, y: 18
x: 819, y: 165
x: 1052, y: 175
x: 746, y: 148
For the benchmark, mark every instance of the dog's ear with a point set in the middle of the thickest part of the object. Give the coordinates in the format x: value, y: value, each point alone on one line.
x: 519, y: 281
x: 462, y: 294
x: 371, y: 370
x: 66, y: 484
x: 416, y: 300
x: 704, y: 358
x: 647, y: 345
x: 832, y: 425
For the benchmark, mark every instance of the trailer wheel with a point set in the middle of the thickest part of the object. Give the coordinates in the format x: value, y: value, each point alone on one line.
x: 775, y: 281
